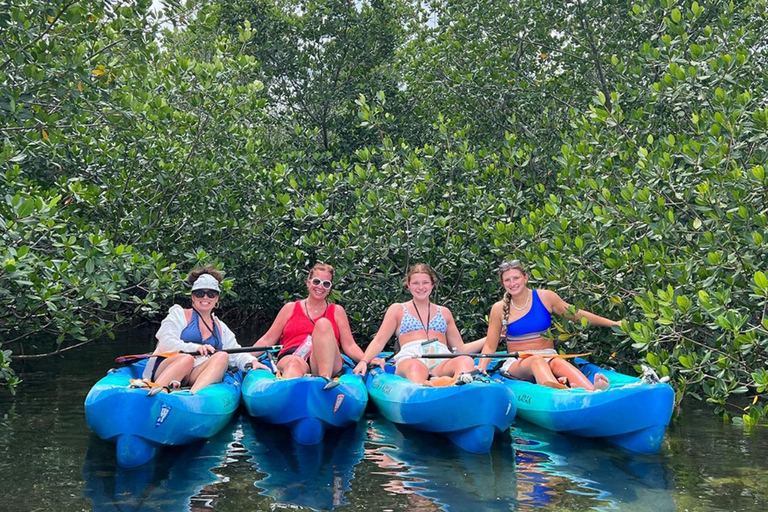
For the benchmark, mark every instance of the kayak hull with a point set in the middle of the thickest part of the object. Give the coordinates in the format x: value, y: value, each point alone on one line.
x: 469, y: 415
x: 630, y: 413
x: 302, y: 405
x: 140, y: 425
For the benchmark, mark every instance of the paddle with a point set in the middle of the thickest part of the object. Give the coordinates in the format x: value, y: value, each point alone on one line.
x: 520, y: 355
x: 139, y: 357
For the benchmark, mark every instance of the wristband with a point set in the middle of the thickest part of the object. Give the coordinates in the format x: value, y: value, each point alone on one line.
x: 363, y: 361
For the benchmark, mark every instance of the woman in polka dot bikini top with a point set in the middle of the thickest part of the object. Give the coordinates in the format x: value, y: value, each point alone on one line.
x: 422, y: 328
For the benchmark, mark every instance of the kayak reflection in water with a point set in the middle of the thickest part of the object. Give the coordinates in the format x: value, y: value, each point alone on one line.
x: 524, y: 317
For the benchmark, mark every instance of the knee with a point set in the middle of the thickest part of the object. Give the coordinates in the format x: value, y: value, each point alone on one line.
x: 220, y: 360
x: 293, y: 364
x: 323, y: 330
x: 185, y: 361
x: 465, y: 364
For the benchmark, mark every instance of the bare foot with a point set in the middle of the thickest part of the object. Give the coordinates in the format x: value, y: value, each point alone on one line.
x: 601, y: 382
x: 553, y: 384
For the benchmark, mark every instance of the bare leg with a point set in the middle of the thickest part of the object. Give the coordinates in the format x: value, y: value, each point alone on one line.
x: 325, y: 359
x: 414, y: 370
x: 209, y: 372
x: 453, y: 367
x: 536, y: 369
x: 176, y: 367
x: 292, y: 366
x: 562, y: 368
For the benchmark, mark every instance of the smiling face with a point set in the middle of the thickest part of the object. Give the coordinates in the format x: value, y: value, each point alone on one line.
x: 206, y: 303
x: 514, y: 281
x: 420, y: 285
x: 316, y: 284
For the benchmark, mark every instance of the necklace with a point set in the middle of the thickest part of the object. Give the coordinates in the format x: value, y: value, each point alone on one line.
x: 310, y: 316
x: 527, y: 300
x: 425, y: 326
x: 213, y: 333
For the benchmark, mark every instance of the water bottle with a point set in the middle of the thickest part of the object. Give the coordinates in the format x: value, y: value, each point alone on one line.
x: 305, y: 348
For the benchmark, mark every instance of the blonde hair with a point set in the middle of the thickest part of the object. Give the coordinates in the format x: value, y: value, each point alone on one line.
x: 321, y: 267
x: 505, y: 267
x: 208, y: 269
x: 421, y: 268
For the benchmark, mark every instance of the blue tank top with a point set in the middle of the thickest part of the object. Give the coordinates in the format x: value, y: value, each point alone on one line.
x: 533, y: 325
x: 410, y: 323
x: 192, y: 334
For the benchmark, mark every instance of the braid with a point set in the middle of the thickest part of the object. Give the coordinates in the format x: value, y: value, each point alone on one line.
x: 505, y: 310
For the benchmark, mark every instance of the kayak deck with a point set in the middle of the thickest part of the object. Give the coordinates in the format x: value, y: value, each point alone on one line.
x: 302, y: 405
x: 629, y: 413
x: 140, y: 424
x: 470, y: 415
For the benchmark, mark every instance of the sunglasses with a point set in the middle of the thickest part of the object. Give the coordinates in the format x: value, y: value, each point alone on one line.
x: 507, y: 265
x: 317, y: 282
x: 212, y: 294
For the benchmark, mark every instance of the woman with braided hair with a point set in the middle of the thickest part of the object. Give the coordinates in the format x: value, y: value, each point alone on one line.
x: 524, y: 317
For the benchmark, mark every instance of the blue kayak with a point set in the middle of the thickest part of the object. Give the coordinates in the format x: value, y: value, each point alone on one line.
x: 303, y: 405
x: 141, y: 424
x: 629, y: 413
x: 470, y: 415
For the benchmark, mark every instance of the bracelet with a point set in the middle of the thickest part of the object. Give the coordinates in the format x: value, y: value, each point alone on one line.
x: 363, y: 361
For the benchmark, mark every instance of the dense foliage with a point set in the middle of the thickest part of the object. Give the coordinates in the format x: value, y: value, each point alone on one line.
x: 619, y: 150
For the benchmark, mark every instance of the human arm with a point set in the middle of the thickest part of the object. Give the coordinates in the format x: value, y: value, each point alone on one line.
x: 348, y: 345
x: 556, y: 304
x: 491, y: 342
x: 228, y: 341
x: 169, y: 334
x: 275, y: 331
x: 385, y: 332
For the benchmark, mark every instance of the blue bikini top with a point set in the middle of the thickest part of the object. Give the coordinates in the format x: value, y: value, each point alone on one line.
x: 410, y: 323
x: 531, y: 326
x: 192, y: 334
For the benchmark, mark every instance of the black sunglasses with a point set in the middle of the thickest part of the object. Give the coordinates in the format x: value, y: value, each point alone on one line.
x: 317, y: 282
x: 212, y: 294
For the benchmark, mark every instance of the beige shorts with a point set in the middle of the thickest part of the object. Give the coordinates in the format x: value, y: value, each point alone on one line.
x: 541, y: 352
x: 413, y: 350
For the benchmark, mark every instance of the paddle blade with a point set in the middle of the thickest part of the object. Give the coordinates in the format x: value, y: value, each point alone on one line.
x: 139, y: 357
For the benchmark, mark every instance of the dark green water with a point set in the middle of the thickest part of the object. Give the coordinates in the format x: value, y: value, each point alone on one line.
x: 50, y: 461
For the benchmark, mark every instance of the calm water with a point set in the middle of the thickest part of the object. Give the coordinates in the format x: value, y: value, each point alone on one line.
x: 50, y: 461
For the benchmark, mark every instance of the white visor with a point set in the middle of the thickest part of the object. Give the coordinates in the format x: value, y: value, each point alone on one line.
x: 206, y: 282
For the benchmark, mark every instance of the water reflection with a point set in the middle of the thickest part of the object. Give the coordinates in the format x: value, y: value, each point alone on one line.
x: 560, y: 471
x: 179, y: 479
x: 435, y: 475
x: 315, y: 476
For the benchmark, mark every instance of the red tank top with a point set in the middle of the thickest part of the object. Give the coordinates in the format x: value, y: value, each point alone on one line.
x: 299, y: 326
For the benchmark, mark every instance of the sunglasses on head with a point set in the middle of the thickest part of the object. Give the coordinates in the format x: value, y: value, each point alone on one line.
x: 507, y: 265
x: 317, y: 282
x: 212, y: 294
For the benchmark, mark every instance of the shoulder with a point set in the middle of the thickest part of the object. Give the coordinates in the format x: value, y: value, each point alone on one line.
x: 338, y: 310
x: 548, y: 297
x: 177, y: 313
x: 445, y: 311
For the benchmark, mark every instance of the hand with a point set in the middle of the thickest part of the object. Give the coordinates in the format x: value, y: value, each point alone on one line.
x: 361, y: 368
x: 255, y: 364
x: 378, y: 361
x: 206, y: 350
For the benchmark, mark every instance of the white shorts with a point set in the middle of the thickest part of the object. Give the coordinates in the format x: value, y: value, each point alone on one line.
x: 541, y: 352
x: 413, y: 350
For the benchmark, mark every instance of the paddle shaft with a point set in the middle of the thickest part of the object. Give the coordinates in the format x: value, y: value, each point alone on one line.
x: 498, y: 356
x: 240, y: 350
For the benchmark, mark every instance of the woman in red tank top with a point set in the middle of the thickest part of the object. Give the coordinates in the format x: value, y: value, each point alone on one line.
x: 313, y: 332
